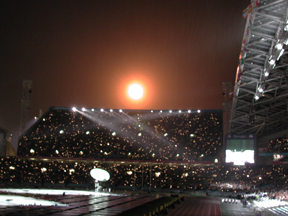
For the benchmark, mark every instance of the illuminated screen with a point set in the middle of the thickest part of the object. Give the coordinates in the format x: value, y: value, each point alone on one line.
x: 240, y: 149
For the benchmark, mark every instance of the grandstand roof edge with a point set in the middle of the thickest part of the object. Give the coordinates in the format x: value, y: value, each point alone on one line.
x: 131, y: 110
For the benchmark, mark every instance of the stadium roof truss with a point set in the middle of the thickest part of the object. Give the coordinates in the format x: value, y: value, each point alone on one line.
x: 260, y: 103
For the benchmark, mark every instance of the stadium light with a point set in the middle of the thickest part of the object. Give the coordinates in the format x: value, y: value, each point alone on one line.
x: 256, y: 97
x: 189, y: 111
x: 120, y: 111
x: 83, y: 109
x: 151, y: 111
x: 74, y: 109
x: 272, y: 61
x: 179, y: 111
x: 92, y: 110
x: 198, y: 111
x: 170, y: 111
x: 111, y: 110
x: 101, y: 110
x: 160, y: 111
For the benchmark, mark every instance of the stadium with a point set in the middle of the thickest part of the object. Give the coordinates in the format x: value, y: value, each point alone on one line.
x: 231, y: 161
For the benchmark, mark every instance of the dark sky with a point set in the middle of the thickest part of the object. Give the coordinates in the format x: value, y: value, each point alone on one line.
x: 85, y: 53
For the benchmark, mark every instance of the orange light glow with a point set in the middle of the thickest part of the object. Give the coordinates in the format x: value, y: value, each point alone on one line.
x: 135, y: 91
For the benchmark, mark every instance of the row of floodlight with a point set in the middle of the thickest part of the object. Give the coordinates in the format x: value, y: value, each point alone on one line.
x: 120, y: 110
x: 276, y: 54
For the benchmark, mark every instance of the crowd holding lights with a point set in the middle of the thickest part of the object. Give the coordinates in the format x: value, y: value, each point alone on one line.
x: 24, y: 172
x: 175, y: 135
x: 279, y: 145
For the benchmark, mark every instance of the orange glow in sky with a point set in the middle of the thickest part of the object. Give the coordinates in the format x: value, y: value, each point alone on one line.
x: 135, y: 91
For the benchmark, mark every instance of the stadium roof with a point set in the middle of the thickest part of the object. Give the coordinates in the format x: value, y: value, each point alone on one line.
x: 260, y: 104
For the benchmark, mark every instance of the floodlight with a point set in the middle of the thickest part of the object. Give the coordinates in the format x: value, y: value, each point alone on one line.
x: 92, y: 110
x: 170, y: 111
x: 179, y: 111
x: 101, y: 110
x: 272, y: 61
x: 111, y: 110
x: 189, y: 111
x: 279, y: 46
x: 198, y: 111
x: 151, y: 111
x: 83, y: 109
x: 120, y: 111
x: 160, y: 111
x: 260, y: 89
x: 266, y: 73
x: 256, y: 97
x: 74, y: 109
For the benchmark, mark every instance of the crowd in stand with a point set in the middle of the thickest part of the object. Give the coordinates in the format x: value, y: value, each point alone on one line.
x: 78, y: 139
x: 137, y: 135
x: 279, y: 145
x: 43, y: 172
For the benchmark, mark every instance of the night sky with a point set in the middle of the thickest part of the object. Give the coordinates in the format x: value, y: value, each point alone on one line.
x: 85, y: 53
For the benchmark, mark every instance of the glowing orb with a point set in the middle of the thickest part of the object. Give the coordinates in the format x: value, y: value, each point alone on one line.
x: 100, y: 174
x: 135, y: 91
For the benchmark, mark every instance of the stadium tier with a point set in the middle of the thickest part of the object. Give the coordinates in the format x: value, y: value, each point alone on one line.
x: 51, y: 173
x: 158, y: 135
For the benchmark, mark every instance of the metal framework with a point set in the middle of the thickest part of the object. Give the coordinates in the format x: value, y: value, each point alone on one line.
x: 260, y: 103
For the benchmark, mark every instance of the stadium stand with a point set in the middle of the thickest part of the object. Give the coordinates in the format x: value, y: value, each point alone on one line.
x: 128, y: 134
